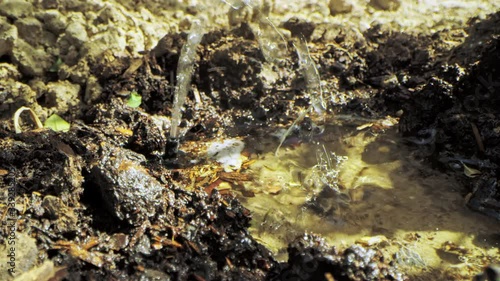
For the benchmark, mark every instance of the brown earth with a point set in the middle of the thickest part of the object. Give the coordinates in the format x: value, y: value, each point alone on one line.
x: 102, y: 202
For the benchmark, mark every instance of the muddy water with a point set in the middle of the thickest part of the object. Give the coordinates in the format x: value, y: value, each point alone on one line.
x: 349, y: 185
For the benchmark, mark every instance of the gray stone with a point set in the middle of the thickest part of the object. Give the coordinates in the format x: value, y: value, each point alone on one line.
x: 129, y: 191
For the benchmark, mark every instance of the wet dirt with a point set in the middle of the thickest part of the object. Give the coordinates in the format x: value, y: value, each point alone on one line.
x: 396, y: 176
x: 123, y: 222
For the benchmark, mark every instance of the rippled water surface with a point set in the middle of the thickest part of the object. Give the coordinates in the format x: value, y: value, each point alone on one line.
x: 353, y: 186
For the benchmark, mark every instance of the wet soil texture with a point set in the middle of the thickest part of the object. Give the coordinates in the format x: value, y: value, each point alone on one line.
x: 102, y: 203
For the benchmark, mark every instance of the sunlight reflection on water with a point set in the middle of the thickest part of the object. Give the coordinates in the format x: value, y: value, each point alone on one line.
x: 375, y: 187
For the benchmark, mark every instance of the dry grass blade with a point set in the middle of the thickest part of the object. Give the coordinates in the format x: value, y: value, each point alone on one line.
x: 16, y: 117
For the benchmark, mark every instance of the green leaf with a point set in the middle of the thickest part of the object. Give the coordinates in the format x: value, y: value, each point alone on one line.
x: 134, y: 100
x: 55, y: 67
x: 56, y: 123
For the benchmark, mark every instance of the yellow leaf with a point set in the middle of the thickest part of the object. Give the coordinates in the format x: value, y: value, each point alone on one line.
x: 470, y: 172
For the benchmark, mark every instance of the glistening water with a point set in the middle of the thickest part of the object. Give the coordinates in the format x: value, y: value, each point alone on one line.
x: 349, y: 184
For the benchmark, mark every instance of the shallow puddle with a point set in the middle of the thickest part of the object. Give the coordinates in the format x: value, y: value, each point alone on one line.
x: 348, y: 185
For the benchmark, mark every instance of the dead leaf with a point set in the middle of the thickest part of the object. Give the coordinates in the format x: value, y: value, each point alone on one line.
x: 470, y: 172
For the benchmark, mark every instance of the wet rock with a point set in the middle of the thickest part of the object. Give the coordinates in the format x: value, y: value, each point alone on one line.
x: 310, y: 258
x: 128, y: 190
x: 208, y: 236
x: 143, y: 246
x: 118, y: 241
x: 148, y: 137
x: 8, y: 35
x: 191, y: 235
